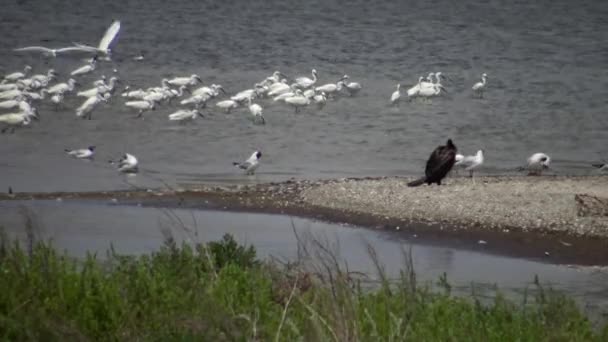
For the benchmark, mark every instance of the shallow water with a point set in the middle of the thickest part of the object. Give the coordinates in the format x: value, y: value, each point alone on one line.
x: 547, y: 90
x: 78, y: 227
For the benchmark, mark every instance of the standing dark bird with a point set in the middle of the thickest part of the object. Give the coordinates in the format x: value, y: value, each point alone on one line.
x: 439, y: 164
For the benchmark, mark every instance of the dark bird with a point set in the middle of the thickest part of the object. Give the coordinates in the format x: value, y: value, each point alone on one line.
x: 439, y: 164
x: 10, y: 190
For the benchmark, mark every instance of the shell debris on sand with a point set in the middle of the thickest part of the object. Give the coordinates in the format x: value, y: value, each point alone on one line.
x: 528, y: 203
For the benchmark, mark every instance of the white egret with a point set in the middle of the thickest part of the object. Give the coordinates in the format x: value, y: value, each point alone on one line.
x: 184, y: 81
x: 298, y: 100
x: 86, y: 109
x: 479, y: 87
x: 305, y: 82
x: 227, y: 105
x: 17, y: 75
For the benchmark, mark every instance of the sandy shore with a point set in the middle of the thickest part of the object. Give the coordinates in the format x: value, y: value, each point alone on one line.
x: 494, y: 203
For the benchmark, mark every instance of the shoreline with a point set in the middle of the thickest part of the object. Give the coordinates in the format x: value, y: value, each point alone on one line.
x: 385, y: 203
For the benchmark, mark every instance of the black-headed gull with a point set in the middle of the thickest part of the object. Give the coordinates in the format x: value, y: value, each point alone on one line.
x: 251, y: 164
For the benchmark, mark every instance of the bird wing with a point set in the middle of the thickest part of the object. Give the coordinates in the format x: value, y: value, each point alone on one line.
x: 82, y: 48
x: 440, y: 161
x: 34, y: 48
x: 109, y: 36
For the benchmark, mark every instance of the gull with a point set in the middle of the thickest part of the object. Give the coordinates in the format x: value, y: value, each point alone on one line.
x: 479, y: 87
x: 127, y: 163
x: 13, y: 120
x: 104, y: 44
x: 8, y: 104
x: 251, y: 164
x: 227, y: 105
x: 305, y: 82
x: 183, y: 81
x: 298, y: 100
x: 62, y: 87
x: 172, y: 93
x: 17, y: 75
x: 256, y: 110
x: 184, y: 114
x: 469, y: 163
x: 85, y: 69
x: 536, y: 163
x: 143, y: 106
x: 279, y: 88
x: 84, y: 153
x: 396, y: 95
x: 8, y: 86
x: 47, y: 52
x: 90, y: 104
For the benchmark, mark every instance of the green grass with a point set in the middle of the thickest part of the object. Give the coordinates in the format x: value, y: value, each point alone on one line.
x: 220, y: 291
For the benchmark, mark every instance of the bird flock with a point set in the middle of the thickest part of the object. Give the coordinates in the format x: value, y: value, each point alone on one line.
x: 20, y: 91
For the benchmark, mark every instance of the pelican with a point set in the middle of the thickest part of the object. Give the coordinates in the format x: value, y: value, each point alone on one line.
x: 127, y: 163
x: 184, y: 81
x: 135, y: 94
x: 8, y: 104
x: 172, y: 93
x: 84, y: 153
x: 537, y: 162
x: 256, y: 110
x: 85, y: 69
x: 469, y: 163
x: 212, y: 90
x: 479, y: 87
x: 305, y: 82
x: 142, y: 106
x: 396, y: 94
x: 62, y: 87
x: 298, y: 100
x: 184, y: 114
x: 17, y: 75
x: 104, y: 44
x: 57, y: 99
x: 89, y: 105
x: 352, y: 88
x: 227, y: 105
x: 101, y: 88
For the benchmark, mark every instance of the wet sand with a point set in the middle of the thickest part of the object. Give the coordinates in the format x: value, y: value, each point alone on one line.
x: 534, y: 217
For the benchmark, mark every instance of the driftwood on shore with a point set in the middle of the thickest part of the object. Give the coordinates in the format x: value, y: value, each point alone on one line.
x: 588, y: 205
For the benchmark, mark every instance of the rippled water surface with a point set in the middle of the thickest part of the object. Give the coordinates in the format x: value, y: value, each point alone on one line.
x: 547, y: 90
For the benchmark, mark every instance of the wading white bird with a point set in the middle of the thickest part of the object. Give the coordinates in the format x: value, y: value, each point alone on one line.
x: 413, y: 91
x: 256, y: 111
x: 104, y: 44
x: 227, y: 105
x: 251, y: 164
x: 469, y: 163
x: 44, y: 79
x: 17, y: 75
x: 320, y: 99
x: 85, y: 69
x: 305, y: 82
x: 479, y: 87
x: 537, y: 163
x: 298, y: 100
x: 57, y: 99
x: 127, y: 163
x: 86, y: 109
x: 100, y: 88
x: 184, y: 114
x: 331, y: 88
x: 8, y: 86
x: 83, y: 153
x: 14, y: 120
x: 185, y: 81
x: 62, y: 87
x: 142, y: 106
x: 396, y: 95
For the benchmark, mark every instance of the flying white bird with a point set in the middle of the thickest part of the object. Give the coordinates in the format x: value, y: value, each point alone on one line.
x: 17, y: 75
x: 305, y: 82
x: 537, y: 163
x: 127, y: 163
x: 48, y: 52
x: 251, y: 164
x: 14, y: 120
x: 479, y: 87
x: 415, y: 90
x: 84, y: 153
x: 184, y: 114
x: 227, y: 105
x: 320, y: 99
x: 85, y: 69
x: 104, y: 45
x: 62, y: 87
x: 331, y: 88
x: 396, y: 95
x: 469, y: 163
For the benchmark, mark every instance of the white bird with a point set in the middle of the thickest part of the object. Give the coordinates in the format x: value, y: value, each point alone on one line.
x: 13, y: 120
x: 279, y: 88
x: 100, y: 88
x: 104, y: 44
x: 227, y: 105
x: 320, y: 99
x: 142, y: 106
x: 396, y: 95
x: 601, y: 166
x: 184, y: 81
x: 17, y: 75
x: 352, y: 88
x: 469, y: 163
x: 85, y: 69
x: 48, y: 52
x: 127, y: 163
x: 256, y: 111
x: 298, y: 100
x: 35, y: 96
x: 184, y: 114
x: 62, y: 87
x: 537, y: 163
x: 87, y: 107
x: 251, y: 164
x: 84, y: 153
x: 413, y: 91
x: 330, y: 88
x: 428, y: 81
x: 305, y: 82
x: 479, y: 87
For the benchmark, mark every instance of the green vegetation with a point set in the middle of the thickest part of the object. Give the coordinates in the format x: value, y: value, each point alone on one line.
x: 220, y: 291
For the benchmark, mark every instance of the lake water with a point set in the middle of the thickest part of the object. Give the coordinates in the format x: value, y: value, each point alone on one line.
x: 547, y: 88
